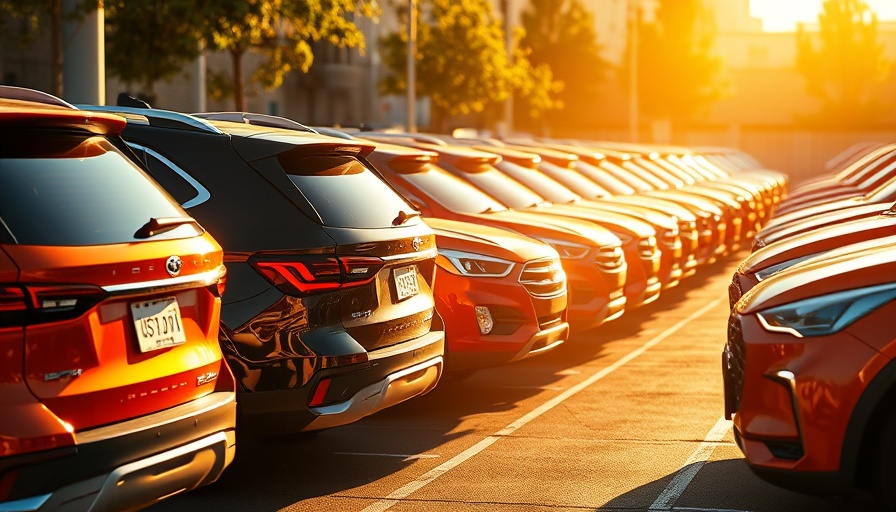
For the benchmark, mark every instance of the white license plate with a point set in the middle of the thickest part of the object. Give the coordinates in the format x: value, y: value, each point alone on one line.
x: 405, y: 282
x: 158, y: 324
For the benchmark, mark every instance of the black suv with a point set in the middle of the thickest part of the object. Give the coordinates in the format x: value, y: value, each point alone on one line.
x: 328, y: 314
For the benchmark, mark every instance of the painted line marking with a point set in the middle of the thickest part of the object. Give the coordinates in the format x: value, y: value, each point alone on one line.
x: 402, y: 456
x: 423, y: 480
x: 692, y: 466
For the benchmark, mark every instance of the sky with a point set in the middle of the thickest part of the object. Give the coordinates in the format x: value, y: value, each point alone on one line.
x: 783, y: 15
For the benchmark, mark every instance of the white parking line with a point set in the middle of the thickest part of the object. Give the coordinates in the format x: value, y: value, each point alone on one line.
x: 403, y: 492
x: 696, y: 461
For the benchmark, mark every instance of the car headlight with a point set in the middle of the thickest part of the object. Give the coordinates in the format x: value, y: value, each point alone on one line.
x: 472, y: 264
x: 784, y: 265
x: 567, y: 250
x: 826, y: 314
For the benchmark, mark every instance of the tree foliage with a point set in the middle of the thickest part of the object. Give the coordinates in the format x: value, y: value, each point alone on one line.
x: 561, y: 36
x: 281, y: 32
x: 35, y: 13
x: 462, y: 63
x: 679, y: 75
x: 844, y: 64
x: 150, y: 40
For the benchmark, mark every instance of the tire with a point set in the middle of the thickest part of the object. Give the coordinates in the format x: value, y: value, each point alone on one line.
x: 883, y: 479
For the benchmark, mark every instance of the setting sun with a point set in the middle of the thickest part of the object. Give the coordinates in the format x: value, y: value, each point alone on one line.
x: 778, y: 16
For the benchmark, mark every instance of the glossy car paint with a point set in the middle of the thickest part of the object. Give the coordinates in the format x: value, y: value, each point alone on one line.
x: 853, y: 210
x: 91, y: 417
x: 527, y: 305
x: 592, y: 257
x: 808, y: 405
x: 522, y: 167
x: 820, y: 242
x: 642, y: 284
x: 312, y: 324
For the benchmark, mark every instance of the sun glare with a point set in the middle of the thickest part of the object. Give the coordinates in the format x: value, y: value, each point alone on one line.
x: 783, y: 16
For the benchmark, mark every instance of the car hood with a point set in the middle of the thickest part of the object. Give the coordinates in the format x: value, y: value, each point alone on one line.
x: 823, y: 239
x: 771, y: 234
x: 548, y: 226
x: 823, y: 275
x: 487, y: 240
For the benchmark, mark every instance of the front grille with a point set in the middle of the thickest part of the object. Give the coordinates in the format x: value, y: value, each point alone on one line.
x: 733, y: 362
x: 543, y: 278
x: 734, y: 291
x: 610, y: 257
x: 506, y: 320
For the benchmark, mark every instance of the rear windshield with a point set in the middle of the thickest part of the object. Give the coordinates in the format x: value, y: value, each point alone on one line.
x: 64, y: 188
x: 343, y: 191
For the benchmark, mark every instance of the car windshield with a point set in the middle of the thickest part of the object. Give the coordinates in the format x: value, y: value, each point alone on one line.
x: 574, y: 181
x: 450, y: 191
x: 502, y: 187
x: 63, y: 188
x: 541, y: 184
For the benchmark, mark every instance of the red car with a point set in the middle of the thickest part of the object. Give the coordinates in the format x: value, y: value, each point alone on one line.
x: 592, y: 257
x: 114, y: 390
x: 502, y: 296
x: 810, y: 376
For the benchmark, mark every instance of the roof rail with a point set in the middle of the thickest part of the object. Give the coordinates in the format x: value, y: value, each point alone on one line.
x: 160, y: 118
x: 21, y: 93
x: 256, y: 119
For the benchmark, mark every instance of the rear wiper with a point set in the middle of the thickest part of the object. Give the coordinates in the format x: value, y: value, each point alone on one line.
x: 404, y: 217
x: 160, y: 225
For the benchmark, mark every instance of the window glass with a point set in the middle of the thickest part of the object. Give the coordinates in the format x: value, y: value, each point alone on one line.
x: 575, y: 181
x: 503, y: 188
x: 451, y: 192
x: 61, y: 188
x: 343, y: 191
x: 538, y: 182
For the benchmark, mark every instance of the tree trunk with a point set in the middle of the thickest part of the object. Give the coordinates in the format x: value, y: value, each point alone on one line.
x: 56, y: 47
x: 239, y: 95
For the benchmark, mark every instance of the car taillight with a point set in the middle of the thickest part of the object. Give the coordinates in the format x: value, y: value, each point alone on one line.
x: 307, y: 274
x: 38, y: 304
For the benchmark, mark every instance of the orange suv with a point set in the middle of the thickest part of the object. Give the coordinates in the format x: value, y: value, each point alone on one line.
x: 113, y: 387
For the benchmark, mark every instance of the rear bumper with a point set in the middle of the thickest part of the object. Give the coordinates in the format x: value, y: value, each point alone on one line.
x: 391, y: 375
x: 128, y: 465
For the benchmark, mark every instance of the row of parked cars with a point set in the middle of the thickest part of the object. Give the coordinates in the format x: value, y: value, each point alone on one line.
x: 808, y: 366
x: 167, y: 279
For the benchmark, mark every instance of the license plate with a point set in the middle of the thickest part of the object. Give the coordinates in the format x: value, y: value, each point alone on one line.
x: 405, y: 282
x: 158, y: 324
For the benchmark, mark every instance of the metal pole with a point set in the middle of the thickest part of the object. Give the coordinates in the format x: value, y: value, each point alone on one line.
x: 412, y: 76
x: 633, y: 71
x: 508, y: 42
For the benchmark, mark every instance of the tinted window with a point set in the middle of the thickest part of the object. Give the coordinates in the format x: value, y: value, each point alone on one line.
x: 451, y: 192
x: 67, y: 189
x: 504, y: 189
x: 183, y: 187
x: 343, y: 191
x: 575, y: 181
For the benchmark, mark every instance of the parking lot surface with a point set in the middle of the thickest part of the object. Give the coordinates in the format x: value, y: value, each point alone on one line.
x: 624, y: 417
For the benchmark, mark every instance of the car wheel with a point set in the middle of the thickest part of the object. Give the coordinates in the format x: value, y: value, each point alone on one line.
x: 884, y: 476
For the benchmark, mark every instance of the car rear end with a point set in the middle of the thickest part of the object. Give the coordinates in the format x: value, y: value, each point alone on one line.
x: 115, y: 391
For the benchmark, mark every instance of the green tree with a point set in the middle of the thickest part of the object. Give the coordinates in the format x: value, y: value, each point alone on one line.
x: 150, y: 40
x: 678, y: 74
x: 844, y: 65
x: 560, y: 34
x: 36, y: 13
x: 281, y: 32
x: 462, y: 63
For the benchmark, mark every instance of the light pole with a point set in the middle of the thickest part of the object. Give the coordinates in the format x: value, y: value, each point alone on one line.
x: 633, y: 16
x: 412, y: 75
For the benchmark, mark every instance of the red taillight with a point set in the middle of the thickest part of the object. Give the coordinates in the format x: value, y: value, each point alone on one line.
x: 306, y: 274
x: 34, y: 304
x: 320, y: 393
